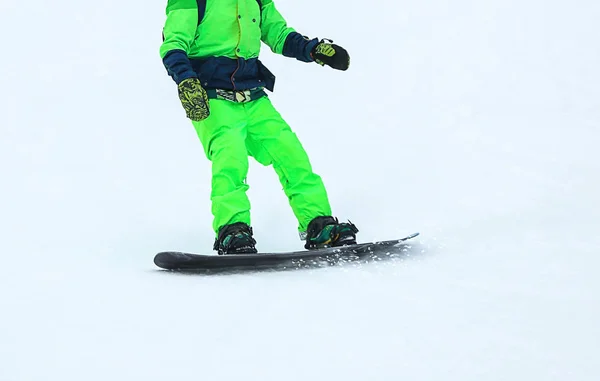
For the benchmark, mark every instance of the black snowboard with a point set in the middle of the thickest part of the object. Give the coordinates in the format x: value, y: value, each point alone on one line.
x: 188, y: 262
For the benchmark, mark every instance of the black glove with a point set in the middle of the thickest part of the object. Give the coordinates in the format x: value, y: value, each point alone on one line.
x: 194, y: 99
x: 326, y: 53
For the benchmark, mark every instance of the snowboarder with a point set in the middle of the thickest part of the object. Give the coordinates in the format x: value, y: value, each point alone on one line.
x: 210, y: 48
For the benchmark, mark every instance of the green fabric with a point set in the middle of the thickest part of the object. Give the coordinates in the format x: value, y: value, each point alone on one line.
x: 235, y: 131
x: 222, y: 32
x: 274, y: 28
x: 180, y: 27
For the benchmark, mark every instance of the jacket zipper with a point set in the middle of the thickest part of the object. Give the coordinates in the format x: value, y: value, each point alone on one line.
x: 237, y: 48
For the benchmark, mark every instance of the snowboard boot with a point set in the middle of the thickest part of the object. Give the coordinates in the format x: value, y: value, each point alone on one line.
x: 235, y: 239
x: 326, y: 231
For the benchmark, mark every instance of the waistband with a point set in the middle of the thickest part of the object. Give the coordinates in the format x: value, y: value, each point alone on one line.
x: 242, y: 96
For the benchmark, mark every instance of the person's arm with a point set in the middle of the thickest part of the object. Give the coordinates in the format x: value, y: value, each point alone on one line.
x: 285, y: 40
x: 178, y: 35
x: 281, y: 38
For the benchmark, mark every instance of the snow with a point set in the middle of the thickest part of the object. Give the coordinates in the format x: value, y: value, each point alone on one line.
x: 475, y: 123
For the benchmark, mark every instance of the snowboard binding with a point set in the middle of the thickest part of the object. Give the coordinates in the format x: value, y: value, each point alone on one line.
x: 235, y: 239
x: 327, y: 231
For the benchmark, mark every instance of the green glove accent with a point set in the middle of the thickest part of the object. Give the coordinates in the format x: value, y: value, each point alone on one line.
x: 194, y: 99
x: 326, y: 53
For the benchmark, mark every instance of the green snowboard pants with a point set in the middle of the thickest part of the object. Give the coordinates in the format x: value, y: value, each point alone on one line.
x: 234, y: 131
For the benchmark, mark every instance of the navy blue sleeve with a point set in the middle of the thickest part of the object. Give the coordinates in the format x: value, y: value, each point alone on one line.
x: 178, y: 66
x: 299, y: 47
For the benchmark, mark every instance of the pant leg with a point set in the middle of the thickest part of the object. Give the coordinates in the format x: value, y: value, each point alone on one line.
x: 270, y: 140
x: 223, y: 135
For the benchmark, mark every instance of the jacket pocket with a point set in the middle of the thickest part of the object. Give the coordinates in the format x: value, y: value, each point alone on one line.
x: 205, y: 69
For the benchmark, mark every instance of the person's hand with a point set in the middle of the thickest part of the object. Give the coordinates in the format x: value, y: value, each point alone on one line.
x: 194, y: 99
x: 326, y: 53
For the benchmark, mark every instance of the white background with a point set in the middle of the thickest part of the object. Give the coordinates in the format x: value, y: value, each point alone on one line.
x: 473, y: 122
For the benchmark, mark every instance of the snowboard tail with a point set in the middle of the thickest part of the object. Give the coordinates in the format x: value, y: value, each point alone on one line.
x: 190, y: 262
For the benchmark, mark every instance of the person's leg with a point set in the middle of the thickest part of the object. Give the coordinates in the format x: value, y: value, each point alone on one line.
x: 223, y: 136
x: 270, y: 140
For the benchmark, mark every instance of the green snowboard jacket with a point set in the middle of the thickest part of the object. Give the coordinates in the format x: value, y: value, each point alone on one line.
x: 219, y: 41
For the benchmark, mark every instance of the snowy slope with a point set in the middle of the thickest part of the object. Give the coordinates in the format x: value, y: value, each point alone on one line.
x: 473, y: 122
